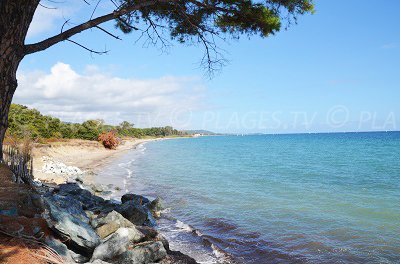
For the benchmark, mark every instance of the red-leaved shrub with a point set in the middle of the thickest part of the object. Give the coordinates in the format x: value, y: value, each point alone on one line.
x: 109, y: 140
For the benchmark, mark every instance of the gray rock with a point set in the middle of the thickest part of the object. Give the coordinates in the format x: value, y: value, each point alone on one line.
x: 156, y: 205
x: 108, y: 224
x: 135, y: 213
x: 103, y: 219
x: 163, y: 240
x: 80, y: 233
x: 177, y: 257
x: 97, y: 188
x: 135, y: 198
x: 143, y: 254
x: 37, y: 201
x: 149, y: 232
x: 117, y: 243
x: 98, y: 261
x: 78, y: 258
x: 68, y: 204
x: 79, y: 179
x: 60, y: 248
x: 87, y: 199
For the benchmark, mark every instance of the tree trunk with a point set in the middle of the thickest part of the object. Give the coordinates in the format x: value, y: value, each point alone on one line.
x: 15, y: 18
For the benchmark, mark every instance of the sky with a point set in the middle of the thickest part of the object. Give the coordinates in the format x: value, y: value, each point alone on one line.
x: 336, y: 70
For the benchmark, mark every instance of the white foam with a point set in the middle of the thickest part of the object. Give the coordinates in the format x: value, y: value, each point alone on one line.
x: 220, y: 255
x: 129, y: 173
x: 181, y: 225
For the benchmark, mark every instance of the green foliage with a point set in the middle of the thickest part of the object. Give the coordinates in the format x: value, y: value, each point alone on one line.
x: 188, y: 19
x: 25, y: 122
x: 202, y: 22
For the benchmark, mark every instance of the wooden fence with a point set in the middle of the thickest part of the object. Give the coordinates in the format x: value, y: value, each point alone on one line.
x: 20, y: 164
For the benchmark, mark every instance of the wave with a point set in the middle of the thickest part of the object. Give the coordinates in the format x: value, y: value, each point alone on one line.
x: 219, y: 256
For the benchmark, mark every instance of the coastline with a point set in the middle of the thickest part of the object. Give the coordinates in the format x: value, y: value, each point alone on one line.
x: 92, y: 158
x: 95, y: 223
x: 89, y: 156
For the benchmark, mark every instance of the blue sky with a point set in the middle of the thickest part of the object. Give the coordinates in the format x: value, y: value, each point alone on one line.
x: 336, y: 70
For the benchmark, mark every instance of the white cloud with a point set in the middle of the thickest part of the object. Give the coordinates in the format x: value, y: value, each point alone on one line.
x: 75, y: 97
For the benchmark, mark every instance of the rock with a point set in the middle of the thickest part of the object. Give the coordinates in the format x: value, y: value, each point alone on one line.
x: 135, y: 213
x: 136, y: 199
x: 88, y: 200
x: 60, y: 248
x: 79, y: 179
x: 117, y: 243
x: 68, y: 255
x: 98, y: 261
x: 68, y: 204
x: 79, y: 233
x: 55, y: 167
x: 90, y: 215
x: 148, y: 232
x: 37, y: 201
x: 113, y: 216
x: 163, y: 240
x: 177, y: 257
x: 155, y: 207
x: 97, y: 188
x: 107, y: 229
x: 78, y: 258
x: 143, y: 254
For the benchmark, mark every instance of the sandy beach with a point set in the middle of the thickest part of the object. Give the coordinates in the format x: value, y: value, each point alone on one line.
x: 88, y: 156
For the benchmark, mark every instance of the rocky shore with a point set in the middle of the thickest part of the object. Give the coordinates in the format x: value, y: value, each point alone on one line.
x: 75, y: 221
x: 85, y: 228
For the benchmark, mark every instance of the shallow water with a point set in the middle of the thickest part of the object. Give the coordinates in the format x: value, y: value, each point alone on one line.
x: 306, y: 198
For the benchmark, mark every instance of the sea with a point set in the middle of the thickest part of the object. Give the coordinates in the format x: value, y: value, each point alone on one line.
x: 294, y: 198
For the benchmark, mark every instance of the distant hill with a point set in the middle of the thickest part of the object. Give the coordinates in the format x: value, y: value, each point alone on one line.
x: 200, y: 131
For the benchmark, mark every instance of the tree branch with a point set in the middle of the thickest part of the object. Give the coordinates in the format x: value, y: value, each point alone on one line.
x: 40, y: 46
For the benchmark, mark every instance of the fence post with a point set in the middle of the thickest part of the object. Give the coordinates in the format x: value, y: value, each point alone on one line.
x: 20, y: 164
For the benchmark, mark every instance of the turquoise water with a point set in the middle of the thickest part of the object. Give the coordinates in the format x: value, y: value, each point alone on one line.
x: 306, y: 198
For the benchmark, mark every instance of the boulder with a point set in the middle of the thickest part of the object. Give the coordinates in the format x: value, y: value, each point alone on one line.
x: 163, y: 240
x: 148, y: 232
x: 109, y: 223
x: 98, y: 188
x: 135, y: 198
x: 112, y: 216
x: 135, y: 213
x: 117, y: 243
x: 177, y: 257
x: 98, y: 261
x: 155, y: 207
x: 79, y: 233
x: 143, y: 254
x: 107, y: 229
x: 78, y: 258
x: 87, y: 199
x: 68, y: 204
x: 60, y: 248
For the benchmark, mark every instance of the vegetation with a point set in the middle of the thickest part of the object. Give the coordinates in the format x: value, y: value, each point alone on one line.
x: 109, y: 140
x: 193, y: 22
x: 30, y: 123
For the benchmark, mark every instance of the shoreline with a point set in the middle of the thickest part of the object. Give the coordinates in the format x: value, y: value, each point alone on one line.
x: 88, y: 156
x: 92, y: 223
x: 96, y: 158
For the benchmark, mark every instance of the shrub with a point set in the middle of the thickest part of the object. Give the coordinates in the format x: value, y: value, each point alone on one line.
x: 109, y: 140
